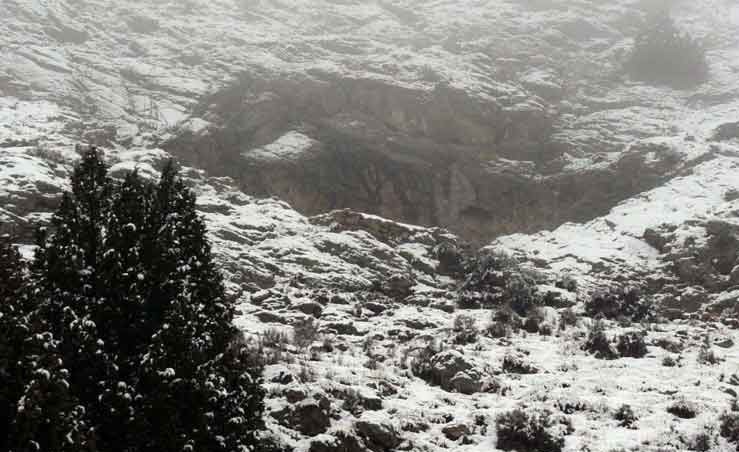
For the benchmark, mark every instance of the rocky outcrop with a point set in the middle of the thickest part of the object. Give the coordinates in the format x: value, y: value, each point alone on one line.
x: 435, y: 158
x: 378, y: 434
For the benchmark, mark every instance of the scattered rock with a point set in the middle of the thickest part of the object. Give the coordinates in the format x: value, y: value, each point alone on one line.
x: 444, y: 306
x: 270, y: 317
x: 338, y: 442
x: 417, y: 324
x: 294, y: 395
x: 726, y: 342
x: 456, y: 431
x: 375, y: 308
x: 727, y: 131
x: 261, y: 296
x: 398, y: 286
x: 309, y: 417
x: 378, y: 434
x: 310, y: 308
x: 347, y: 328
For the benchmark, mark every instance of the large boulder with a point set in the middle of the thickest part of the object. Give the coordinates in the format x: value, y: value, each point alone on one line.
x: 378, y: 434
x: 310, y: 416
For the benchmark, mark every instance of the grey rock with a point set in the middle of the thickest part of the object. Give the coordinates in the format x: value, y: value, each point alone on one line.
x: 456, y: 431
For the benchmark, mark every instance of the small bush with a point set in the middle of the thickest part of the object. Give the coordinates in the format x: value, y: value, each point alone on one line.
x: 521, y: 293
x: 567, y: 406
x: 517, y: 365
x: 567, y: 318
x: 421, y: 364
x: 305, y: 332
x: 663, y: 54
x: 706, y: 355
x: 670, y: 345
x: 275, y: 338
x: 499, y: 330
x: 729, y: 427
x: 498, y: 279
x: 620, y: 303
x: 683, y: 409
x: 503, y: 322
x: 519, y: 430
x: 632, y: 345
x: 669, y: 361
x: 567, y: 283
x: 532, y: 322
x: 597, y: 342
x: 626, y: 417
x: 703, y: 441
x: 465, y: 331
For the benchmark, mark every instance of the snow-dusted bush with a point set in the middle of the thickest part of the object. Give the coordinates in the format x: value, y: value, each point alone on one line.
x: 421, y: 365
x: 703, y: 441
x: 305, y: 332
x: 503, y: 323
x: 625, y: 416
x: 534, y: 321
x: 521, y: 293
x: 518, y: 365
x: 618, y: 303
x: 567, y: 282
x: 275, y: 338
x: 597, y: 342
x: 669, y: 361
x: 567, y: 318
x: 729, y: 427
x: 665, y: 55
x: 632, y: 345
x: 683, y: 409
x: 531, y: 431
x: 706, y: 355
x: 497, y: 279
x: 465, y: 330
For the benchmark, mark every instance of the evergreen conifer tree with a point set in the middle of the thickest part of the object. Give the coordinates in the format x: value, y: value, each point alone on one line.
x: 14, y: 330
x: 136, y: 309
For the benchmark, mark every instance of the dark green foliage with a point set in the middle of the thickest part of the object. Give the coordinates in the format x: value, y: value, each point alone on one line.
x: 632, y: 345
x: 14, y: 329
x: 464, y: 329
x: 620, y: 303
x: 503, y: 322
x: 453, y: 261
x: 567, y: 317
x: 535, y: 322
x: 597, y: 342
x: 49, y: 417
x: 706, y: 355
x: 729, y: 427
x: 626, y: 417
x: 421, y: 364
x: 130, y: 300
x: 496, y: 279
x: 520, y: 430
x: 517, y: 365
x: 683, y: 409
x: 663, y: 54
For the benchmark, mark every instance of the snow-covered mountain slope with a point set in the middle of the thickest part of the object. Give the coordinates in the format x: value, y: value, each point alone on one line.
x: 431, y: 115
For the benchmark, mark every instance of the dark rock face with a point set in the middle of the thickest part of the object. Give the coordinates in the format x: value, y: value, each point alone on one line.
x: 309, y: 417
x: 455, y: 431
x: 378, y: 436
x: 433, y: 158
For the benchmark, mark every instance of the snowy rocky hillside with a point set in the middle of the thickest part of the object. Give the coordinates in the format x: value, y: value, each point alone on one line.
x: 508, y: 124
x: 484, y: 117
